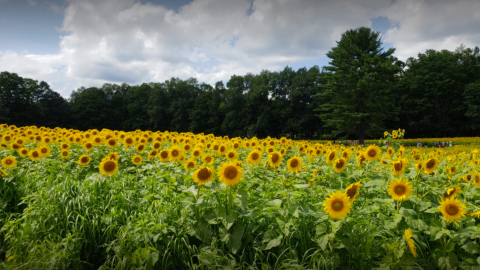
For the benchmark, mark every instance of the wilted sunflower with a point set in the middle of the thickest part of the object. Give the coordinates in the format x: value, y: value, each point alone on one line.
x: 254, y: 157
x: 203, y: 175
x: 339, y: 164
x: 430, y: 165
x: 294, y: 164
x: 451, y: 193
x: 275, y: 159
x: 190, y: 164
x: 372, y: 153
x: 452, y: 209
x: 353, y: 191
x: 9, y: 162
x: 337, y: 205
x: 230, y: 173
x: 398, y: 167
x: 410, y: 242
x: 164, y: 155
x: 400, y: 189
x: 108, y: 166
x: 84, y: 160
x: 65, y: 154
x: 137, y: 159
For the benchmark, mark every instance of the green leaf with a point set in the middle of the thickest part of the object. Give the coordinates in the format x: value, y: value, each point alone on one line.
x: 230, y: 220
x: 274, y: 203
x: 236, y: 239
x: 432, y: 210
x: 449, y: 262
x: 301, y: 185
x: 374, y: 183
x: 152, y: 258
x: 471, y: 247
x: 274, y: 242
x: 242, y: 196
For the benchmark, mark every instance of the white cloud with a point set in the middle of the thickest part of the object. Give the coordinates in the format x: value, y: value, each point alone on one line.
x: 127, y: 41
x: 32, y: 2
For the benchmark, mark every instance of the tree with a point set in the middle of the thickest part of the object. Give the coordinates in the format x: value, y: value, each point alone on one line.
x: 357, y: 94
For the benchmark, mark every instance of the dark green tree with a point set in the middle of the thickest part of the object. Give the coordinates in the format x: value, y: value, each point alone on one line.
x: 357, y: 94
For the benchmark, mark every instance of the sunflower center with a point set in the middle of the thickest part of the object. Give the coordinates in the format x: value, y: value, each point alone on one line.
x: 9, y: 162
x: 129, y: 141
x: 230, y: 172
x: 275, y: 158
x: 452, y: 169
x: 452, y: 209
x: 164, y: 154
x: 372, y: 153
x: 469, y: 177
x: 398, y: 166
x: 430, y: 164
x: 331, y: 156
x: 339, y: 164
x: 109, y: 166
x: 190, y: 165
x: 231, y: 155
x: 64, y: 153
x: 84, y: 159
x: 294, y: 163
x: 400, y: 190
x: 174, y: 153
x: 208, y: 159
x: 44, y: 150
x: 137, y: 159
x: 203, y: 174
x: 352, y: 191
x: 35, y: 154
x: 337, y: 205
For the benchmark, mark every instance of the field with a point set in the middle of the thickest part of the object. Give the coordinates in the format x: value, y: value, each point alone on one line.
x: 163, y: 200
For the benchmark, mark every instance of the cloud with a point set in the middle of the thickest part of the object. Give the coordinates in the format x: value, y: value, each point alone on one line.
x: 31, y: 2
x: 129, y: 41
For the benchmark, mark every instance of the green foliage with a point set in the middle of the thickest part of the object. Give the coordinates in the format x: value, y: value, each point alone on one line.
x: 357, y: 95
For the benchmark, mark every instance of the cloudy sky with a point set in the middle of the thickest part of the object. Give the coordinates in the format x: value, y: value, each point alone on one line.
x: 73, y: 43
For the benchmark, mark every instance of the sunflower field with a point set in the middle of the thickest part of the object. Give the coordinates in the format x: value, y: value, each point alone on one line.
x: 110, y: 199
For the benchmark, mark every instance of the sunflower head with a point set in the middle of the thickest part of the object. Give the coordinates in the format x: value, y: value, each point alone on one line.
x: 203, y: 175
x: 108, y: 166
x: 9, y: 162
x: 430, y: 165
x: 294, y: 164
x: 275, y: 159
x: 372, y: 153
x: 411, y: 244
x: 452, y: 209
x: 230, y: 173
x: 65, y: 154
x: 400, y: 189
x: 84, y: 160
x: 398, y: 166
x: 331, y: 155
x: 254, y: 157
x: 353, y: 191
x: 137, y: 160
x: 340, y: 164
x: 208, y: 158
x: 451, y: 193
x: 337, y: 205
x: 232, y: 155
x: 190, y: 164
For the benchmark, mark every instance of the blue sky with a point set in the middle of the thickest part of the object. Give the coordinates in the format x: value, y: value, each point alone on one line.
x: 72, y: 43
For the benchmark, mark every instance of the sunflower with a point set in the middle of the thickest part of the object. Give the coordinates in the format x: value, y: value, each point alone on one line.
x: 452, y: 209
x: 156, y: 145
x: 451, y: 193
x: 337, y: 205
x: 475, y: 214
x: 97, y: 140
x: 476, y: 180
x: 108, y: 166
x: 190, y: 164
x: 418, y: 166
x: 64, y: 146
x: 390, y: 151
x: 113, y: 156
x: 137, y: 159
x: 222, y: 149
x: 203, y: 175
x: 230, y: 173
x: 360, y: 159
x: 339, y: 164
x: 23, y: 152
x: 164, y: 155
x: 128, y: 141
x: 331, y: 155
x: 84, y: 160
x: 411, y: 244
x: 275, y: 159
x: 175, y: 153
x: 232, y: 155
x: 3, y: 173
x: 398, y: 167
x: 353, y: 191
x: 294, y: 164
x: 65, y: 154
x: 400, y: 189
x: 254, y: 157
x: 385, y: 133
x: 372, y: 153
x: 431, y: 165
x: 44, y: 150
x: 196, y: 153
x: 34, y: 154
x: 9, y: 162
x: 87, y: 145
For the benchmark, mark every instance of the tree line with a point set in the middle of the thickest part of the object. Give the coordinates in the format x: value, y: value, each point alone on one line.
x: 362, y: 92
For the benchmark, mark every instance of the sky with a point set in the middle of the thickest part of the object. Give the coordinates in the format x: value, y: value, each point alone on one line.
x: 74, y: 43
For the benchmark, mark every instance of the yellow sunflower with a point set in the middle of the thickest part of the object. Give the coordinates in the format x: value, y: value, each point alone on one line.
x: 137, y: 159
x: 353, y: 191
x: 337, y: 205
x: 430, y: 165
x: 203, y: 175
x: 34, y: 154
x: 451, y: 193
x: 140, y: 148
x: 475, y: 214
x: 254, y: 157
x: 476, y: 180
x: 44, y: 150
x: 410, y: 242
x: 65, y: 154
x: 208, y: 158
x: 175, y: 153
x: 64, y: 146
x: 108, y: 166
x: 3, y: 173
x: 23, y: 152
x: 190, y: 164
x: 9, y: 162
x: 232, y: 155
x: 294, y: 164
x: 400, y: 189
x: 113, y: 156
x: 452, y: 209
x: 196, y: 153
x: 87, y: 145
x: 84, y: 160
x: 372, y: 153
x: 275, y: 159
x: 230, y: 173
x: 398, y: 167
x: 339, y: 165
x: 331, y: 155
x: 164, y: 155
